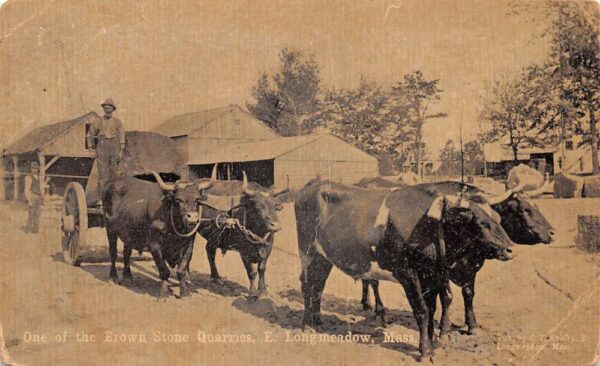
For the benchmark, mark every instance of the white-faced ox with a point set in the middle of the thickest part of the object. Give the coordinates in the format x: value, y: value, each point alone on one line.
x: 520, y: 218
x: 161, y: 217
x: 406, y: 235
x: 241, y: 216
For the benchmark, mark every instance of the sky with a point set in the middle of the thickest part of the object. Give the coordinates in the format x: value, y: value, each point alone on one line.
x: 61, y: 58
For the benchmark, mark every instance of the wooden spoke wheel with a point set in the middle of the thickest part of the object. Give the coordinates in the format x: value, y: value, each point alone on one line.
x: 74, y: 223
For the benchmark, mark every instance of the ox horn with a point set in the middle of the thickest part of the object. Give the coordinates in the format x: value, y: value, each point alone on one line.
x: 519, y: 187
x: 493, y: 200
x: 283, y: 191
x: 164, y: 186
x: 537, y: 192
x: 204, y: 184
x: 213, y: 174
x: 247, y: 191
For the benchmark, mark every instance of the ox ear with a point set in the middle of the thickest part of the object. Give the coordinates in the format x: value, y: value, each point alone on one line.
x: 456, y: 201
x: 436, y: 209
x: 496, y: 217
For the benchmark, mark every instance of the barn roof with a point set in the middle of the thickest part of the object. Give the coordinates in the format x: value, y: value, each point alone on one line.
x: 187, y: 123
x: 42, y: 136
x: 265, y: 150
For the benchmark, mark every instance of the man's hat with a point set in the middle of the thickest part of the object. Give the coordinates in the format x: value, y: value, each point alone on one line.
x: 109, y: 102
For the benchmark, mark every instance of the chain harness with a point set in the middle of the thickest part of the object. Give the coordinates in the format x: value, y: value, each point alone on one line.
x: 224, y: 220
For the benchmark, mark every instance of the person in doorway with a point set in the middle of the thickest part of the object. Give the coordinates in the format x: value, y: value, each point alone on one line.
x: 33, y: 195
x: 109, y: 136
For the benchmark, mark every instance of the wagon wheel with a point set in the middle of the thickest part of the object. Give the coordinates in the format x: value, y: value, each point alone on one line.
x: 74, y: 223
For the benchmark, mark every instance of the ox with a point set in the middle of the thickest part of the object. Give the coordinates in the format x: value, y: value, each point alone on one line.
x: 241, y: 216
x: 397, y: 236
x: 159, y: 216
x: 520, y: 218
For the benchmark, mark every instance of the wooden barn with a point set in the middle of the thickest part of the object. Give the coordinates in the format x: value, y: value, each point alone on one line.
x: 239, y: 142
x: 59, y: 148
x: 197, y: 133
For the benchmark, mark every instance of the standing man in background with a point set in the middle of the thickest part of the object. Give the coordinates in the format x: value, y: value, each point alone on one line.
x: 109, y: 134
x: 33, y: 195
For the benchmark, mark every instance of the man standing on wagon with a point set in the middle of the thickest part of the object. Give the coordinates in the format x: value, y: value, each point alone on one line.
x: 109, y: 134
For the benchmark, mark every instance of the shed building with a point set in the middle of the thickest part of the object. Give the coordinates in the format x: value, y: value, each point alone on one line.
x: 59, y: 148
x: 288, y: 162
x: 237, y: 141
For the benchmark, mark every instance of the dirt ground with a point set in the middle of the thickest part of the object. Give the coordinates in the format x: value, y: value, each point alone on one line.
x: 541, y: 308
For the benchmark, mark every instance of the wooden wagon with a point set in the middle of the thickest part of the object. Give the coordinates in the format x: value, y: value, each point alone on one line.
x: 145, y: 152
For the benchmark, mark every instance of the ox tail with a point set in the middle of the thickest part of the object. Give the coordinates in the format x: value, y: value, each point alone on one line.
x: 308, y: 210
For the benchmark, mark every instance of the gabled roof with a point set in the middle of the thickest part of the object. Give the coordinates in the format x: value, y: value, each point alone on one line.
x: 39, y: 137
x: 185, y: 124
x: 264, y: 150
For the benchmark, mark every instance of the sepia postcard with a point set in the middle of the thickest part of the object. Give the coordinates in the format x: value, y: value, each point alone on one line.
x: 334, y: 182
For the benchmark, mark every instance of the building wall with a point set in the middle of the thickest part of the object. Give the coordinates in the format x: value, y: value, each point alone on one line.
x: 232, y: 128
x: 235, y: 125
x: 329, y: 148
x: 328, y: 157
x: 70, y: 144
x: 181, y: 143
x: 295, y: 174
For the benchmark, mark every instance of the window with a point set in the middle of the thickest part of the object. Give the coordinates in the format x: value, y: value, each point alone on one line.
x: 88, y: 134
x: 569, y: 145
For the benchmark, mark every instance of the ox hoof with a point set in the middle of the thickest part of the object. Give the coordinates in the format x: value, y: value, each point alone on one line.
x: 474, y: 331
x: 252, y: 298
x: 127, y: 280
x: 426, y: 359
x: 217, y: 281
x: 263, y: 292
x: 367, y: 306
x: 309, y: 329
x: 443, y: 339
x: 185, y: 293
x: 114, y: 280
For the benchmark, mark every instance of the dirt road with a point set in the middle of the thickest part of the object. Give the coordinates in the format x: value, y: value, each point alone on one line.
x: 541, y: 308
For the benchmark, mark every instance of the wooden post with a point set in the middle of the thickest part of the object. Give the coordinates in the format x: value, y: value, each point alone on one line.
x: 42, y: 175
x: 3, y: 182
x: 15, y: 160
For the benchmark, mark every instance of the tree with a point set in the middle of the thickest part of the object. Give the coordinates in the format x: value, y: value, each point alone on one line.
x: 573, y: 68
x: 359, y: 116
x: 449, y: 159
x: 473, y: 157
x: 411, y: 102
x: 513, y: 109
x: 575, y: 50
x: 288, y: 100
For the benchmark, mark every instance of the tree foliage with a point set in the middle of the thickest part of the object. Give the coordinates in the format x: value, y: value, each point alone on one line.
x: 412, y: 101
x: 386, y: 123
x: 359, y: 116
x: 572, y: 70
x: 575, y: 52
x: 514, y: 110
x: 450, y: 158
x: 288, y: 100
